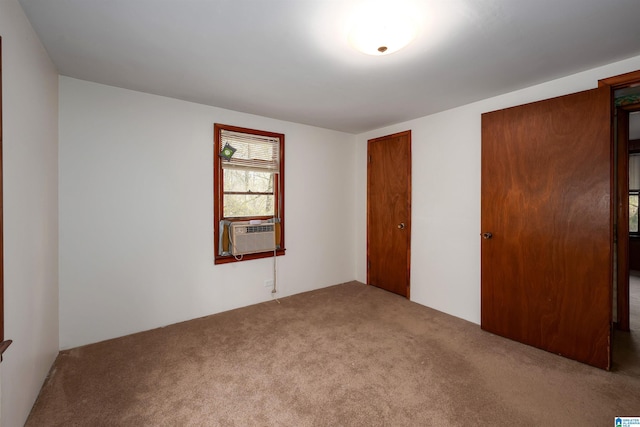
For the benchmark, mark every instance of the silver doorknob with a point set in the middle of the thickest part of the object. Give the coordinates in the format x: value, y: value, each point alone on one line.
x: 487, y: 236
x: 401, y: 226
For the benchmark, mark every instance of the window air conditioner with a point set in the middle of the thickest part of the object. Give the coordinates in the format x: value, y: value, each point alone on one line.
x: 251, y: 239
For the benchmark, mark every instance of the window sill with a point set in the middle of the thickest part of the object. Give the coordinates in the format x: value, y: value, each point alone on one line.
x: 229, y: 259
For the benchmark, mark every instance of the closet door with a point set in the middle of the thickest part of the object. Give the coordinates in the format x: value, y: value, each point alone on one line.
x: 389, y: 213
x: 547, y: 228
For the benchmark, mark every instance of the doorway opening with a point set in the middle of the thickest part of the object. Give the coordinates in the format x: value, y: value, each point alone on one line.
x: 626, y: 289
x: 627, y: 285
x: 627, y: 245
x: 633, y: 289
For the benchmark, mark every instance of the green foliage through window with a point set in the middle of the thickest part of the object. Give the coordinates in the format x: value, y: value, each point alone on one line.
x: 248, y: 193
x: 633, y: 212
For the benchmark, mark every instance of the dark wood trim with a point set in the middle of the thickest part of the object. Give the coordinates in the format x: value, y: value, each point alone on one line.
x: 218, y: 206
x: 409, y: 211
x: 247, y: 130
x: 621, y: 81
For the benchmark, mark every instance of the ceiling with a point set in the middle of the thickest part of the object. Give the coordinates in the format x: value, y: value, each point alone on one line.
x: 291, y: 60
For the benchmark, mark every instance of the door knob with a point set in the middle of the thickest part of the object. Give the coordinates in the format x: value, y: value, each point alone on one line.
x: 401, y: 226
x: 487, y: 236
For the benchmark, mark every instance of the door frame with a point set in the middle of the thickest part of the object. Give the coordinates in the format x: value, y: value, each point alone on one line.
x: 623, y: 239
x: 621, y: 142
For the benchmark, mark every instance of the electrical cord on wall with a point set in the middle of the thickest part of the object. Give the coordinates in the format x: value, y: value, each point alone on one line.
x: 231, y: 242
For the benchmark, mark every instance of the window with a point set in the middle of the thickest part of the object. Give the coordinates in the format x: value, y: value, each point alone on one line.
x: 633, y: 212
x: 248, y: 193
x: 634, y: 192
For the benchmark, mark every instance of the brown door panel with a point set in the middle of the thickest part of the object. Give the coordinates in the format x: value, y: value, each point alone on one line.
x: 546, y: 199
x: 389, y: 212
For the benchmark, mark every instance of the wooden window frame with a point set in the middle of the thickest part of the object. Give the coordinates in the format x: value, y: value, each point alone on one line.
x: 218, y: 195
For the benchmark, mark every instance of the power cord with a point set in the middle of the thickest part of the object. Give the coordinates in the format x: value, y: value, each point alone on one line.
x: 232, y: 243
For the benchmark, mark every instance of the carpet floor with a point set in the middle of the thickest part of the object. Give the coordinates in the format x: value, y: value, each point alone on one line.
x: 347, y: 355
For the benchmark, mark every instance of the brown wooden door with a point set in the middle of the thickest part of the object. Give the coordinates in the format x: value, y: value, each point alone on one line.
x: 547, y: 201
x: 389, y: 212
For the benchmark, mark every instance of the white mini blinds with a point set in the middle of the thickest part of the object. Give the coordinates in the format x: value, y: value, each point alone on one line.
x: 258, y: 153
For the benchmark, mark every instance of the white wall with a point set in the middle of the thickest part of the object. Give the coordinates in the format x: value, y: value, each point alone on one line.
x: 445, y: 251
x: 136, y: 213
x: 30, y: 154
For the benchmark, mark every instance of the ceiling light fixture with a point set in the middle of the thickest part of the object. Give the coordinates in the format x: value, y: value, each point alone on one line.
x: 382, y: 29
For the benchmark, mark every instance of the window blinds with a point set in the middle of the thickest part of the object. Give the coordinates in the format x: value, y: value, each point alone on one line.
x: 253, y: 152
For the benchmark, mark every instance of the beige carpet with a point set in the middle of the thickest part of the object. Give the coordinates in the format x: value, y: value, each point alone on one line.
x: 348, y: 355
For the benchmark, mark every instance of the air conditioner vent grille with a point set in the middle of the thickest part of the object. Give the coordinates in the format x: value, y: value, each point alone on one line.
x: 259, y: 228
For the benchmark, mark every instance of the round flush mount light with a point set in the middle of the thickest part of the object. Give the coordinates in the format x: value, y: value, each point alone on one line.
x: 382, y: 29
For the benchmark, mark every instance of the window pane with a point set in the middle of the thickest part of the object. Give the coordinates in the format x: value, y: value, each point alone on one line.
x: 245, y: 181
x: 633, y: 213
x: 245, y: 205
x: 634, y: 171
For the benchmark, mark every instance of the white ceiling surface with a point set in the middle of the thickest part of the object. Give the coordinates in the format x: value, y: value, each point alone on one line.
x: 290, y: 59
